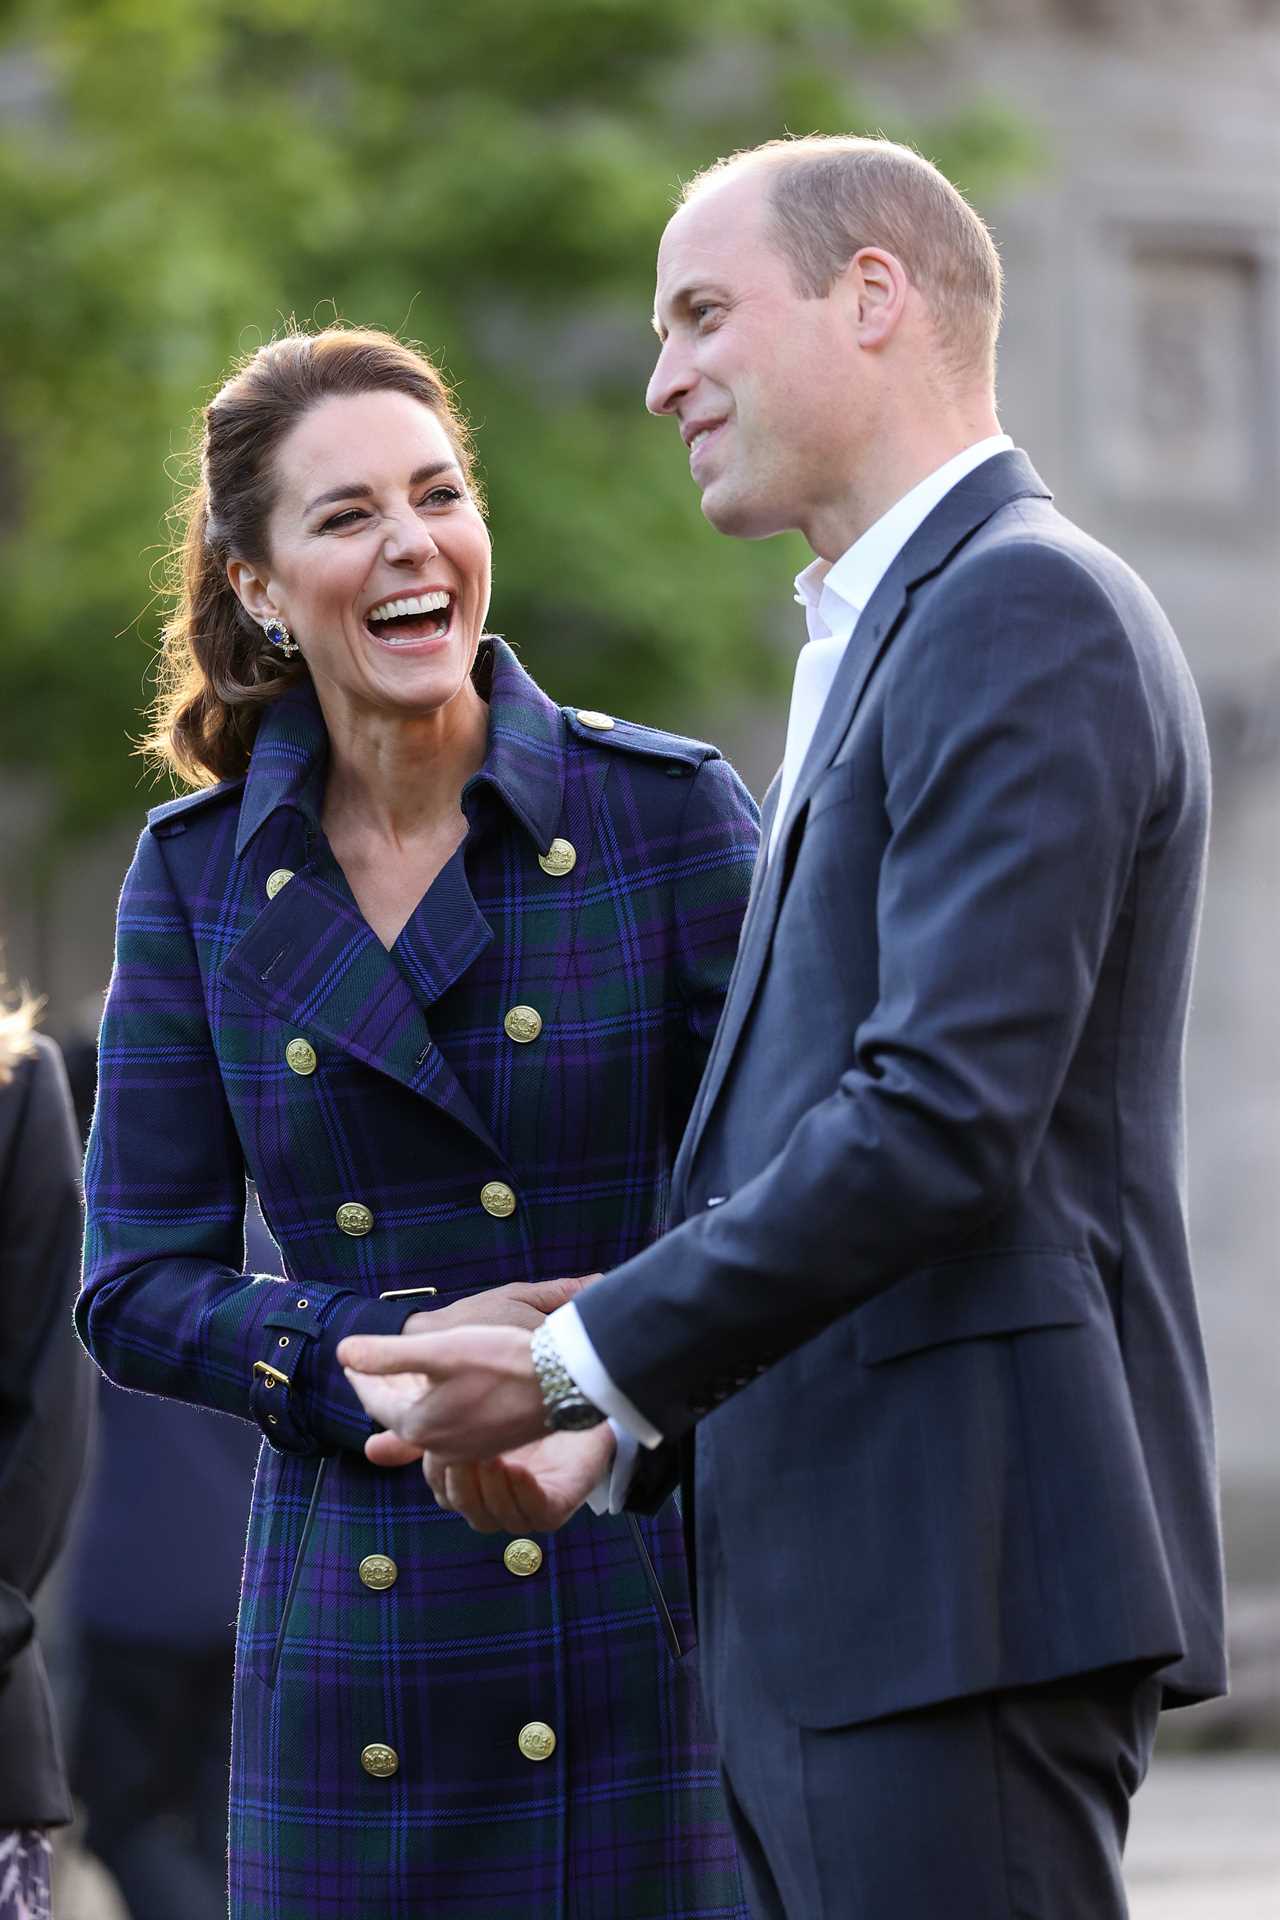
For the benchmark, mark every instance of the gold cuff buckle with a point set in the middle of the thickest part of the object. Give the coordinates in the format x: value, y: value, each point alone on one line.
x: 271, y: 1375
x: 405, y: 1293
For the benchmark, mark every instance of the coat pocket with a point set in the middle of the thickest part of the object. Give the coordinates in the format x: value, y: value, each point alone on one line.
x: 271, y: 1663
x: 1013, y: 1290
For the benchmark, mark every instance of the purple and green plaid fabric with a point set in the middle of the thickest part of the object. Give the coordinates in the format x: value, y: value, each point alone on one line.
x: 418, y: 1099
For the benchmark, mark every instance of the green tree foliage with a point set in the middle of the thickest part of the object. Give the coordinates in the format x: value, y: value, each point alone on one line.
x: 181, y: 176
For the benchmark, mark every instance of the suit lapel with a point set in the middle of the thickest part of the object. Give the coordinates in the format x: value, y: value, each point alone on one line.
x: 1006, y: 476
x: 877, y: 621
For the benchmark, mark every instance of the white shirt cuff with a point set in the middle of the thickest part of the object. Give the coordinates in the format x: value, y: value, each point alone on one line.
x: 573, y: 1344
x: 609, y: 1494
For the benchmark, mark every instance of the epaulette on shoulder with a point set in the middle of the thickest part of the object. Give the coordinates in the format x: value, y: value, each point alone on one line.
x: 628, y: 736
x: 171, y: 816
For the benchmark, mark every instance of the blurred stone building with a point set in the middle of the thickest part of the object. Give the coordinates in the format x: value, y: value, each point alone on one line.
x: 1141, y: 369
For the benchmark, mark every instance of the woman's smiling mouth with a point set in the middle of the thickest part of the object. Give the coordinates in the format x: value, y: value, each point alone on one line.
x: 407, y: 620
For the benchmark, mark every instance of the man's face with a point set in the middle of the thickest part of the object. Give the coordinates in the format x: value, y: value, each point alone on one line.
x: 763, y: 382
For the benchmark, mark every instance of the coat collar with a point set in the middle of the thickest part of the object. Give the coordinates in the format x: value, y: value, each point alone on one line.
x: 524, y: 764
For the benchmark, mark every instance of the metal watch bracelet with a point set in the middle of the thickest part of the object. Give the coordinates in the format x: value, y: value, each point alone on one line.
x: 564, y: 1403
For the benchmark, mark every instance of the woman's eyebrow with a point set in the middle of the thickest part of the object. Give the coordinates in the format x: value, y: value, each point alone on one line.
x: 360, y: 489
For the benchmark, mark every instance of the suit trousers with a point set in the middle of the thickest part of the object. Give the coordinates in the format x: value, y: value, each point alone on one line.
x: 1002, y: 1806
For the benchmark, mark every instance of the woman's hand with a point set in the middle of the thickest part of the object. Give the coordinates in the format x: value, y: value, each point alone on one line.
x: 523, y: 1304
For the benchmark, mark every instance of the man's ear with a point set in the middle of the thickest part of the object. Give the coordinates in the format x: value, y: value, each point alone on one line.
x: 251, y: 591
x: 878, y: 289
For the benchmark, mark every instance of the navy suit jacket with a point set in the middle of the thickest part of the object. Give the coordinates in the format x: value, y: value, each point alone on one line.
x: 929, y: 1302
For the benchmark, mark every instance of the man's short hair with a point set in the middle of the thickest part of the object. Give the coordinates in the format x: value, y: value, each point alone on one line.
x: 831, y: 195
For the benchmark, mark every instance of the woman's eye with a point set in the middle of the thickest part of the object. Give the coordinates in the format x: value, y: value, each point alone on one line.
x: 441, y: 496
x: 342, y: 519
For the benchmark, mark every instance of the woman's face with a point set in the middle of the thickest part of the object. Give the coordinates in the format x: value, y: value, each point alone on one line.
x: 378, y: 556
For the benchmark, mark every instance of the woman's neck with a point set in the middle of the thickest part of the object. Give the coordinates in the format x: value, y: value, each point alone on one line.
x: 397, y: 777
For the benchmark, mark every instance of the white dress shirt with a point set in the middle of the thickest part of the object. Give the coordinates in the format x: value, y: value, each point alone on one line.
x: 833, y: 594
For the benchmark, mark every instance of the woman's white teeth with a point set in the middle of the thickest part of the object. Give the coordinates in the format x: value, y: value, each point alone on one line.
x: 698, y: 438
x: 401, y: 609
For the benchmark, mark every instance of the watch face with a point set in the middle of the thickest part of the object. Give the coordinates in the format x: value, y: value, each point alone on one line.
x: 575, y: 1416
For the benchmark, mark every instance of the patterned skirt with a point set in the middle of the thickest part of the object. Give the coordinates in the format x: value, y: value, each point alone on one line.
x: 25, y: 1856
x: 434, y: 1721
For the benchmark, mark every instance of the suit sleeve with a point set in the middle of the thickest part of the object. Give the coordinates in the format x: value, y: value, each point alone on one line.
x: 1020, y: 763
x: 165, y: 1305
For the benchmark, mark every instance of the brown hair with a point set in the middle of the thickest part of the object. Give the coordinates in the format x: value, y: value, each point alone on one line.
x: 831, y: 195
x: 215, y: 672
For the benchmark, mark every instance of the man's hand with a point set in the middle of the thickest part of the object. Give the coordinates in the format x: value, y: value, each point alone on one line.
x: 523, y: 1304
x: 467, y: 1395
x: 533, y: 1490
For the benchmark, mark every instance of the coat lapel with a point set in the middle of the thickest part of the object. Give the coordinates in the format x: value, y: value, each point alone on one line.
x: 1005, y: 477
x: 311, y: 960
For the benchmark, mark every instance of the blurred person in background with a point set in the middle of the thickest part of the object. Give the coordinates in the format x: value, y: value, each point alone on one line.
x: 152, y: 1579
x: 438, y: 963
x: 45, y: 1405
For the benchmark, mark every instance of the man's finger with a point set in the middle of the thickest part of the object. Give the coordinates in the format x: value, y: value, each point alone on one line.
x: 385, y: 1400
x: 387, y: 1352
x: 389, y: 1450
x: 435, y: 1355
x: 466, y: 1494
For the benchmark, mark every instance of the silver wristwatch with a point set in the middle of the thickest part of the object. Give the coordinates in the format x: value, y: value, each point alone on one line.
x: 566, y: 1407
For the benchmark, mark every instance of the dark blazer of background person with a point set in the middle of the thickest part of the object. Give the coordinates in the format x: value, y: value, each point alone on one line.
x: 937, y: 1158
x: 45, y: 1384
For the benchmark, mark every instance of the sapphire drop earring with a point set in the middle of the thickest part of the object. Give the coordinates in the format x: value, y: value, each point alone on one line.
x: 281, y: 638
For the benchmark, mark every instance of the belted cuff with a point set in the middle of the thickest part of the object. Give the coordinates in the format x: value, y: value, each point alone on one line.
x: 299, y: 1394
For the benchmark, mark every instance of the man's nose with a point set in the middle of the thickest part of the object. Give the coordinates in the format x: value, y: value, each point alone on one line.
x: 670, y: 379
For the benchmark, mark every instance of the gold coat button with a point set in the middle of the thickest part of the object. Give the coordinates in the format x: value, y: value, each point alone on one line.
x: 522, y: 1024
x: 536, y: 1741
x: 354, y: 1219
x: 561, y: 857
x: 497, y: 1198
x: 378, y: 1572
x: 280, y: 878
x: 301, y: 1055
x: 378, y: 1760
x: 522, y: 1557
x: 600, y: 721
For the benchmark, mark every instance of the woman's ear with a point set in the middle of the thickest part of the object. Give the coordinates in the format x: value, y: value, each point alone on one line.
x: 251, y: 591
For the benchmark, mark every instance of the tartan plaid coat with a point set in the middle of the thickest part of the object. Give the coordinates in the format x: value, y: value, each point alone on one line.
x: 388, y: 1657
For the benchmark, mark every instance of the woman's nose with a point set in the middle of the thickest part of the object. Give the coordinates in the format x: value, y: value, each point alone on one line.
x: 408, y: 538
